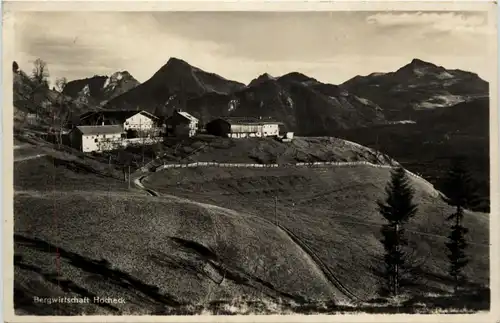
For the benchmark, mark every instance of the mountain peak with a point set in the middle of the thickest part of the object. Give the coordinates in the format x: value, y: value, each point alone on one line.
x: 420, y: 63
x: 420, y: 68
x: 297, y: 77
x: 262, y: 78
x: 123, y: 73
x: 176, y: 61
x: 175, y: 66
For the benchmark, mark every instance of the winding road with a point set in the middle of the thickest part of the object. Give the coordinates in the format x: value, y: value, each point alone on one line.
x: 23, y: 158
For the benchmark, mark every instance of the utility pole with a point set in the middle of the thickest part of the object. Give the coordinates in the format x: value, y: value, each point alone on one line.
x: 276, y: 209
x: 129, y: 176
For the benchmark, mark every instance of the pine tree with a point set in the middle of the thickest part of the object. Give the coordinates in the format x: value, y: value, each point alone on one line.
x: 460, y: 193
x: 397, y: 209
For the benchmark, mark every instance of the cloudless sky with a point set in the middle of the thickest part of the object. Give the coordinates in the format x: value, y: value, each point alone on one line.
x: 329, y: 46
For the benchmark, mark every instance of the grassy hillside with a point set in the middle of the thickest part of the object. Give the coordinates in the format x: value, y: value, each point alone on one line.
x: 208, y: 148
x: 52, y: 173
x: 438, y: 136
x: 334, y: 212
x: 155, y: 253
x: 80, y: 232
x: 63, y: 169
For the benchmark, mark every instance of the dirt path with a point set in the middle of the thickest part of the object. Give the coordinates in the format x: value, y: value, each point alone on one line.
x: 320, y: 264
x: 49, y: 194
x: 22, y: 146
x: 29, y: 157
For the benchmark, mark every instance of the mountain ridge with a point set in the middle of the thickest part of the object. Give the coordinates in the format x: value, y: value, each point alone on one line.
x: 417, y: 85
x: 175, y: 82
x: 289, y: 97
x: 100, y: 88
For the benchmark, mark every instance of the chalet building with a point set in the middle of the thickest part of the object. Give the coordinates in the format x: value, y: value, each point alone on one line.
x: 181, y: 124
x: 96, y: 138
x: 236, y: 127
x: 139, y: 121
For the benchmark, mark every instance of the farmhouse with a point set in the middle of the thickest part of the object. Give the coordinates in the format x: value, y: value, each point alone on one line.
x: 139, y: 121
x: 96, y: 138
x: 237, y: 127
x: 181, y: 124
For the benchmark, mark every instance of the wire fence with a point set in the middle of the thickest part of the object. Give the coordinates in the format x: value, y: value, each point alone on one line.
x: 293, y: 165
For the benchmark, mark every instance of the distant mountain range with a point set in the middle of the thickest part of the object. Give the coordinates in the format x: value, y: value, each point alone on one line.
x: 301, y: 102
x: 417, y: 86
x: 306, y: 105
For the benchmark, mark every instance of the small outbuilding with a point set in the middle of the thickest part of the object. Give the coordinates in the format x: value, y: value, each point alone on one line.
x: 181, y: 123
x: 97, y: 138
x: 243, y: 127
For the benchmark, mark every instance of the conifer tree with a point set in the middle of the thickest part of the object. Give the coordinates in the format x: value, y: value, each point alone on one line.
x: 460, y: 193
x: 397, y: 209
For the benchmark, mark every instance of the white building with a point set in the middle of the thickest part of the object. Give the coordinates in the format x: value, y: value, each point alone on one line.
x: 97, y: 138
x: 237, y: 127
x: 140, y: 121
x: 182, y: 124
x: 287, y: 137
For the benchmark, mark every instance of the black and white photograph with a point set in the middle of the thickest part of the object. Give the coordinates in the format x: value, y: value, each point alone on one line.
x: 252, y: 162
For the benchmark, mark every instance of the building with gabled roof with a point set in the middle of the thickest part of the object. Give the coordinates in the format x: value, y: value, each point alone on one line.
x: 97, y: 138
x: 181, y: 123
x: 128, y: 119
x: 244, y: 127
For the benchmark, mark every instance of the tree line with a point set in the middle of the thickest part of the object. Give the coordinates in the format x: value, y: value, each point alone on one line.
x: 34, y: 89
x: 400, y: 267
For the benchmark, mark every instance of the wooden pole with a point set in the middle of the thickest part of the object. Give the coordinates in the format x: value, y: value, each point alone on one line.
x: 129, y: 176
x: 276, y: 209
x: 396, y: 276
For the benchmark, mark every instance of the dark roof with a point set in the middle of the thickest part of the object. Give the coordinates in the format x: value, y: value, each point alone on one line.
x: 187, y: 116
x: 249, y: 120
x: 100, y: 130
x: 119, y: 115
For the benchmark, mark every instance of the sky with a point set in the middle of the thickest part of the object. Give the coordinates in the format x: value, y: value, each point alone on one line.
x: 329, y: 46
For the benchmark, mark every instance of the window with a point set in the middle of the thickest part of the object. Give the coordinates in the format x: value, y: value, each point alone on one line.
x: 95, y: 140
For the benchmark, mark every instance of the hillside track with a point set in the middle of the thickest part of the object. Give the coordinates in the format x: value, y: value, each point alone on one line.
x: 28, y: 157
x: 310, y: 255
x: 324, y: 268
x: 20, y: 146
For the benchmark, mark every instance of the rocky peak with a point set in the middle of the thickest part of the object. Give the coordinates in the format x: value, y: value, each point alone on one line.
x: 262, y: 78
x: 420, y: 63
